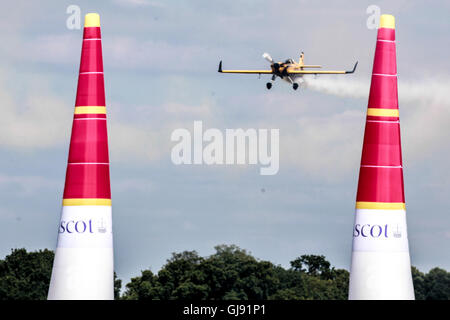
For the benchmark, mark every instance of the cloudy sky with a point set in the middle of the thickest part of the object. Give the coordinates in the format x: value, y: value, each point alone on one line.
x: 160, y: 61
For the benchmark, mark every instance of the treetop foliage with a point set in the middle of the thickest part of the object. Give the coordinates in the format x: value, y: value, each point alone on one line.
x: 231, y: 273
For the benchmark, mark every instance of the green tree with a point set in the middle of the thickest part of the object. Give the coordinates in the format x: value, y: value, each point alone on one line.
x: 117, y: 287
x: 316, y: 266
x: 437, y: 284
x: 181, y: 278
x: 25, y: 275
x: 178, y: 279
x: 311, y: 277
x: 418, y: 283
x: 341, y: 279
x: 231, y: 273
x: 286, y: 294
x: 292, y: 284
x: 142, y: 288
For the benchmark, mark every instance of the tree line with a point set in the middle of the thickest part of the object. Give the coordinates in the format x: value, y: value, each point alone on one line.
x: 231, y: 273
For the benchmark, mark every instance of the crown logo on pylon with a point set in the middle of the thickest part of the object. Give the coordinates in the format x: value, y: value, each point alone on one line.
x: 102, y: 228
x: 397, y: 233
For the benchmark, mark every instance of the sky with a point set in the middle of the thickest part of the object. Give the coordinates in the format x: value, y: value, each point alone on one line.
x: 160, y: 61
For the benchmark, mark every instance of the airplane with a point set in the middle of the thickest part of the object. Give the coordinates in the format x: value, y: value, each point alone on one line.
x: 288, y: 70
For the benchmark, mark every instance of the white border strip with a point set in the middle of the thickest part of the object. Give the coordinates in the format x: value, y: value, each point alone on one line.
x: 384, y: 74
x: 104, y: 163
x: 372, y: 166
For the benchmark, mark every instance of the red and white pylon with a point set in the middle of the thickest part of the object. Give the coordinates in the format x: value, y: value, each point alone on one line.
x: 381, y: 268
x: 83, y: 265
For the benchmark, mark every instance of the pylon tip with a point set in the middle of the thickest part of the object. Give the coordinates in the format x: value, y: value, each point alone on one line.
x: 92, y: 20
x: 387, y: 21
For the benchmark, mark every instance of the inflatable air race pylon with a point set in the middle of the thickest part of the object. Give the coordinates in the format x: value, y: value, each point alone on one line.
x: 380, y: 268
x: 83, y: 265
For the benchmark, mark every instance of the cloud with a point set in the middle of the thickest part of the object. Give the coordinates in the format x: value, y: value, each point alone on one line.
x: 52, y: 48
x: 128, y: 52
x: 37, y: 120
x: 119, y: 52
x: 324, y: 147
x: 139, y: 3
x: 26, y: 185
x: 178, y: 109
x: 133, y: 185
x: 134, y: 143
x: 41, y: 119
x: 146, y: 138
x: 425, y: 118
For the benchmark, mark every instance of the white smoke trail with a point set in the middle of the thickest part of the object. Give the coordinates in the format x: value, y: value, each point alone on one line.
x: 424, y: 109
x: 338, y: 86
x: 423, y: 90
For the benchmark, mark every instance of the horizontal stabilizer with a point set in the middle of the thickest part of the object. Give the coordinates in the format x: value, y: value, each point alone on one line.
x: 322, y: 71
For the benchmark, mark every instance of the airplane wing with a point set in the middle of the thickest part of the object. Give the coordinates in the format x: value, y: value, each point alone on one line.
x: 311, y: 66
x: 244, y: 71
x: 322, y: 71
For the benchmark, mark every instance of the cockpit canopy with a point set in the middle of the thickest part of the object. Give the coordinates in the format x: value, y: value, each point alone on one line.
x: 289, y: 61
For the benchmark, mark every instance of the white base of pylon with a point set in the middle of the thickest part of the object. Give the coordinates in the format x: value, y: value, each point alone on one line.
x: 381, y: 267
x: 381, y: 276
x: 83, y: 268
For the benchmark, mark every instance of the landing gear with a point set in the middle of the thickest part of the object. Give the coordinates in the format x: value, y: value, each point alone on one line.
x: 295, y: 86
x: 269, y: 84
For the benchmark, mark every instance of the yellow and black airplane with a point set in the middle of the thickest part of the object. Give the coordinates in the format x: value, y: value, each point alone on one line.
x: 290, y: 71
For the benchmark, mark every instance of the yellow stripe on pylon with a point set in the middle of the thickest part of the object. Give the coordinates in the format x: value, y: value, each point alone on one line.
x: 90, y: 109
x: 381, y: 205
x: 382, y: 112
x: 86, y: 202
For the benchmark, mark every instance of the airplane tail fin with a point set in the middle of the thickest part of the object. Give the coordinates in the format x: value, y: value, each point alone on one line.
x: 300, y: 61
x: 303, y: 65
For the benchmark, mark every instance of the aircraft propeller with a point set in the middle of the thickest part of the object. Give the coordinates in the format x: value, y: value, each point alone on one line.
x: 267, y: 57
